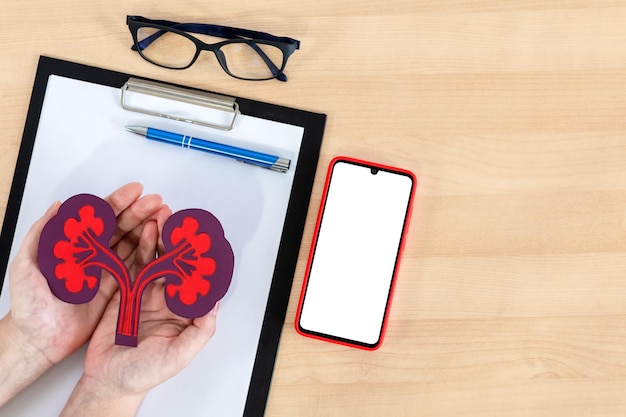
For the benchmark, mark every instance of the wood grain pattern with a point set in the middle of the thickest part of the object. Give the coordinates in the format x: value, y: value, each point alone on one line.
x: 511, y: 298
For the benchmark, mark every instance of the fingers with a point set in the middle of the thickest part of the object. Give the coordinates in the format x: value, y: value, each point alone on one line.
x: 130, y: 220
x: 132, y: 213
x: 150, y: 245
x: 131, y: 210
x: 146, y: 248
x: 124, y: 196
x: 120, y: 200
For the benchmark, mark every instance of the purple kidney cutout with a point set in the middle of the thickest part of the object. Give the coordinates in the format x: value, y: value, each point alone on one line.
x: 197, y: 265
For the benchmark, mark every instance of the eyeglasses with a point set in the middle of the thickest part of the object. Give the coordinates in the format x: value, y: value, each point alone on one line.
x: 246, y: 54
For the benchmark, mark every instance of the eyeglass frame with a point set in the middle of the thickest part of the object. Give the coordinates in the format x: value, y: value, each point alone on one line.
x: 234, y: 35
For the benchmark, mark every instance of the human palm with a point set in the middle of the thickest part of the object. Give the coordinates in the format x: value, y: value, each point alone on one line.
x: 166, y: 342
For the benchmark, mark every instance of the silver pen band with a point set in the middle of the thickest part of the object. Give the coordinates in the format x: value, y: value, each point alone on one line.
x: 281, y: 165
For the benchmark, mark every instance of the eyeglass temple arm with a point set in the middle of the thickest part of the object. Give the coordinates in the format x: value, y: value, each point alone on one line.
x: 144, y: 43
x: 217, y: 30
x: 235, y: 33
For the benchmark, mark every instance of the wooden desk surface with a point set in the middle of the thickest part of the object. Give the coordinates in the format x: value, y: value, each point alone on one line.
x: 511, y: 299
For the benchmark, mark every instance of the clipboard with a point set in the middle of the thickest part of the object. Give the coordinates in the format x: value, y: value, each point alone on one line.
x: 263, y: 211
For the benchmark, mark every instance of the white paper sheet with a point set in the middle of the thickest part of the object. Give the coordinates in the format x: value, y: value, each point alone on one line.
x: 82, y: 146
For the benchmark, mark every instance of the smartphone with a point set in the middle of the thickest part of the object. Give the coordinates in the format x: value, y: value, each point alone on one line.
x: 355, y: 253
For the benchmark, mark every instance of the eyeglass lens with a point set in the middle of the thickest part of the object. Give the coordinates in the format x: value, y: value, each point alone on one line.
x: 243, y: 59
x: 166, y: 48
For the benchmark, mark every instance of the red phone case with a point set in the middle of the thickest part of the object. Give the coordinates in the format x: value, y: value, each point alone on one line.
x: 332, y: 339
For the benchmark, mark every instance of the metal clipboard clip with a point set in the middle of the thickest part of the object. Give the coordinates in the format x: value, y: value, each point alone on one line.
x: 177, y: 103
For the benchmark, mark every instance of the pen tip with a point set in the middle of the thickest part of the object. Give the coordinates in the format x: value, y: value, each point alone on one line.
x: 137, y: 129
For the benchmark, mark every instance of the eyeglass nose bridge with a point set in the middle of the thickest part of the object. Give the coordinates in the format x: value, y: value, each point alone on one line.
x: 215, y: 48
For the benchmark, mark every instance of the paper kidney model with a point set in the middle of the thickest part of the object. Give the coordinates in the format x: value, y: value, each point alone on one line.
x: 197, y: 264
x: 203, y: 262
x: 74, y: 248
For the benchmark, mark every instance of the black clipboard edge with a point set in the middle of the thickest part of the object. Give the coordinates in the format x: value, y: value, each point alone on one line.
x: 297, y: 208
x: 20, y: 174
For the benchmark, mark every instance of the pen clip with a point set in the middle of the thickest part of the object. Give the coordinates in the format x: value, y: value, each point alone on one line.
x: 225, y: 109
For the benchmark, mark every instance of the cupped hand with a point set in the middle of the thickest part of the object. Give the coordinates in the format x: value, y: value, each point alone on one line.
x: 116, y: 378
x: 53, y: 327
x: 166, y: 344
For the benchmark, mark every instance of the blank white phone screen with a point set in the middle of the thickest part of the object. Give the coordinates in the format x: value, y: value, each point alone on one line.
x: 356, y: 253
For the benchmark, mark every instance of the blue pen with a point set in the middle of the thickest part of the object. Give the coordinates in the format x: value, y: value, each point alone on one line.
x: 275, y: 163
